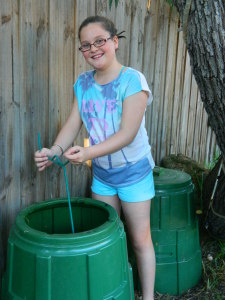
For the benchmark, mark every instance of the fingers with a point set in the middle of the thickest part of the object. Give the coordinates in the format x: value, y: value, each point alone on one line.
x: 40, y: 169
x: 74, y: 154
x: 42, y: 163
x: 73, y: 150
x: 41, y: 158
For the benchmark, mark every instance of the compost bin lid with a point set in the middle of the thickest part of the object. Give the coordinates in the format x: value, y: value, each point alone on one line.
x: 170, y: 179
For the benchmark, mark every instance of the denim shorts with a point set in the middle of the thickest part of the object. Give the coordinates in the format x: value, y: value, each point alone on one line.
x: 140, y: 191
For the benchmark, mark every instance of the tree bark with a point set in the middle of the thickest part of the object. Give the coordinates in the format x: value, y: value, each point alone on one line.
x: 205, y: 40
x: 203, y: 22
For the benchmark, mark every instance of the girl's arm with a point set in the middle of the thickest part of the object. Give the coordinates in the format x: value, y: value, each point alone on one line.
x: 71, y: 128
x: 133, y: 111
x: 65, y: 138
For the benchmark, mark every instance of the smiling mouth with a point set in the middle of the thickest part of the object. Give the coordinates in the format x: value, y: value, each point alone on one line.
x: 96, y: 56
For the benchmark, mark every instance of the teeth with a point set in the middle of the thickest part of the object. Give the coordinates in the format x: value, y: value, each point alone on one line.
x: 97, y: 56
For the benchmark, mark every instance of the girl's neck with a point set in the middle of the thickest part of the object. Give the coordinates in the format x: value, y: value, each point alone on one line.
x: 108, y: 75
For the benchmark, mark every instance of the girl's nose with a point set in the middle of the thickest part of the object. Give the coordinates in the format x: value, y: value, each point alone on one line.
x: 94, y: 47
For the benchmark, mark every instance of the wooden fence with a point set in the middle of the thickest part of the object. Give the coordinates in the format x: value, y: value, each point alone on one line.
x: 39, y: 62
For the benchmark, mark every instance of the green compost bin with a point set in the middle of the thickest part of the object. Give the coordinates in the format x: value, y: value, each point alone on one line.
x: 46, y: 261
x: 175, y: 235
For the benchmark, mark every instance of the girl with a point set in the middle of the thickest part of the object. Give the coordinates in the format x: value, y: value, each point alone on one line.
x: 111, y: 100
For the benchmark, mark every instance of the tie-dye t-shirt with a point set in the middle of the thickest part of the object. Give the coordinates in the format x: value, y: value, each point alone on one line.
x: 101, y: 108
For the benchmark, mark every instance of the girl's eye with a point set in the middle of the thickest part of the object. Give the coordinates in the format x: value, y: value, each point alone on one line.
x: 85, y: 46
x: 99, y: 41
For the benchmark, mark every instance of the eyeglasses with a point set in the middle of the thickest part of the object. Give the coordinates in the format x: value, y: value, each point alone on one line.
x: 98, y: 43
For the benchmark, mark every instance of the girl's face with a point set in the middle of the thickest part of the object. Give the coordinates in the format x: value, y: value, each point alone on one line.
x: 98, y: 57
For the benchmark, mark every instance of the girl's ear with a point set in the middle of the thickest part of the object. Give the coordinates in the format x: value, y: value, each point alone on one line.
x: 116, y: 42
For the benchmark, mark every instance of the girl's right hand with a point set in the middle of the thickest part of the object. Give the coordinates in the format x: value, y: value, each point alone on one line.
x: 41, y: 158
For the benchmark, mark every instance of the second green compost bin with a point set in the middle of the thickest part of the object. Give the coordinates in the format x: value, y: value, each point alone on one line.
x: 175, y: 235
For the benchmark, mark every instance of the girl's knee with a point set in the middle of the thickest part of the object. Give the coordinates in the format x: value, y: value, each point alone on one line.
x: 142, y: 242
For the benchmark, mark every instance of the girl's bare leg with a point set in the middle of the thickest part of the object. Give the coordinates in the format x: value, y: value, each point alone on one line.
x: 137, y: 216
x: 114, y: 201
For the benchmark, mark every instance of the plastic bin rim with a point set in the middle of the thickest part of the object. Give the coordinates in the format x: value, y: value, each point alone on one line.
x: 103, y: 230
x: 163, y: 179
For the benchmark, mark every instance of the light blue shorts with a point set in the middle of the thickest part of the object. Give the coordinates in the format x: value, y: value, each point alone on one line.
x: 141, y: 191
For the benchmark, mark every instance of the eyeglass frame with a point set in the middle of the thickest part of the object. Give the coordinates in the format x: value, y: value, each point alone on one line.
x: 91, y: 44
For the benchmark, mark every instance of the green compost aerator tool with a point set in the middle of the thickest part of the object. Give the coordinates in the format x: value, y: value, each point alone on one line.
x: 56, y: 160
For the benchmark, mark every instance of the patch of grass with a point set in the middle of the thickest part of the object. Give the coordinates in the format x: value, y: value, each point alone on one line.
x: 213, y: 271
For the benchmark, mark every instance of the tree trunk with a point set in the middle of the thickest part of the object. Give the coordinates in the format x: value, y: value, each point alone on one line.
x: 204, y: 24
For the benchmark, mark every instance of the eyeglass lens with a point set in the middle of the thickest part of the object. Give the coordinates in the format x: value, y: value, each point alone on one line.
x: 98, y: 43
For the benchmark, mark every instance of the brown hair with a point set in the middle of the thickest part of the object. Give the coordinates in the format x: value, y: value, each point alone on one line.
x: 106, y: 24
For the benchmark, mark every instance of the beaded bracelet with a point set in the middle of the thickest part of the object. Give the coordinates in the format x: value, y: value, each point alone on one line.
x: 60, y: 148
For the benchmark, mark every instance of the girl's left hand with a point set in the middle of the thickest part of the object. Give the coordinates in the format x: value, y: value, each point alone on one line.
x: 77, y: 154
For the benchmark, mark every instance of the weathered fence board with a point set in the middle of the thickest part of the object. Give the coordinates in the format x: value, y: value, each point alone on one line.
x: 9, y: 114
x: 169, y: 85
x: 191, y: 117
x: 151, y: 33
x: 185, y: 106
x: 61, y: 78
x: 178, y: 90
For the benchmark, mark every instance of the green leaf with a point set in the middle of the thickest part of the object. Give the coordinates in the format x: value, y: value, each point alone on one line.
x: 170, y: 2
x: 110, y: 4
